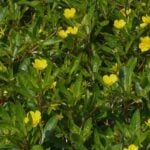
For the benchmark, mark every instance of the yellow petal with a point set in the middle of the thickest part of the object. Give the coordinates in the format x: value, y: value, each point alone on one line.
x: 147, y: 122
x: 39, y: 64
x: 119, y: 23
x: 144, y: 45
x: 63, y: 34
x: 113, y: 78
x: 107, y: 80
x: 143, y: 25
x: 146, y: 19
x: 132, y: 147
x: 26, y: 120
x: 125, y: 12
x: 69, y: 13
x: 72, y: 30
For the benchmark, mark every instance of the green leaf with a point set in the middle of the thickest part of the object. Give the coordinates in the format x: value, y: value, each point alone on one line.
x: 4, y: 114
x: 18, y: 111
x: 135, y: 122
x: 97, y: 142
x: 7, y: 126
x: 75, y: 66
x: 127, y: 74
x: 104, y: 23
x: 76, y: 89
x: 80, y: 146
x: 74, y: 128
x: 143, y: 136
x: 50, y: 125
x: 9, y: 146
x: 25, y: 64
x: 3, y: 12
x: 30, y: 3
x: 37, y: 147
x: 87, y: 129
x: 51, y: 42
x: 129, y: 44
x: 96, y: 63
x: 27, y: 84
x: 117, y: 147
x: 2, y: 67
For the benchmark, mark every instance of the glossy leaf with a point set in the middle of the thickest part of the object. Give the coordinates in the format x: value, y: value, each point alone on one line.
x: 50, y: 125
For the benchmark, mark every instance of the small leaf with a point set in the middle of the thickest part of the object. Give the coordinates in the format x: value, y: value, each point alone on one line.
x: 3, y: 12
x: 75, y: 65
x: 25, y: 64
x: 50, y: 125
x: 74, y: 128
x: 9, y: 146
x: 37, y: 147
x: 97, y: 142
x: 86, y: 132
x: 96, y: 63
x: 104, y: 23
x: 32, y: 3
x: 51, y: 42
x: 117, y: 147
x: 126, y: 74
x: 135, y: 122
x: 76, y: 89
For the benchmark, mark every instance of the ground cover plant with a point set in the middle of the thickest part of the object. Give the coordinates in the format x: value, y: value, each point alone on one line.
x: 75, y: 74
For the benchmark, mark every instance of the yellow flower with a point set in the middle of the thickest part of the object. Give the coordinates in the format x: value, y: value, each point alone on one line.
x: 5, y: 92
x: 145, y: 44
x: 106, y: 80
x: 54, y: 106
x: 53, y: 85
x: 69, y: 13
x: 143, y: 25
x: 125, y: 12
x: 62, y: 33
x: 72, y: 30
x: 39, y: 64
x: 114, y: 67
x: 148, y: 122
x: 119, y: 23
x: 35, y: 118
x: 113, y: 78
x: 109, y: 80
x: 131, y: 147
x: 146, y: 21
x: 26, y: 120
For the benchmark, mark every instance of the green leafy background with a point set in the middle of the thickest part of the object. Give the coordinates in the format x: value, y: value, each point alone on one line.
x: 81, y: 112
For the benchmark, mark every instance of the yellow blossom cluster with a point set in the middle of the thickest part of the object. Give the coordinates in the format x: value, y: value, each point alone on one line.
x: 68, y: 14
x: 110, y: 79
x: 144, y: 44
x: 70, y: 30
x: 125, y: 12
x: 120, y: 23
x: 33, y: 117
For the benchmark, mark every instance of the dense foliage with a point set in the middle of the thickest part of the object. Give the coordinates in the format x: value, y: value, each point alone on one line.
x: 75, y: 74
